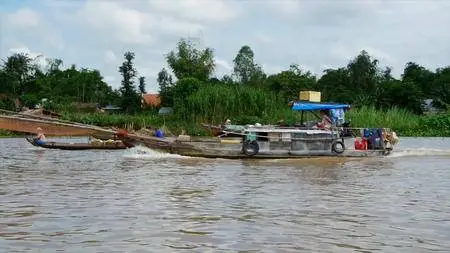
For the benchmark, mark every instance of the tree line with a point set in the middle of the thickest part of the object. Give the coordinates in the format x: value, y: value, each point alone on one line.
x: 362, y: 82
x: 190, y: 87
x: 23, y: 79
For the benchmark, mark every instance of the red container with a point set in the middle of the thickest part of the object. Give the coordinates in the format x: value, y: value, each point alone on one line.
x: 360, y: 144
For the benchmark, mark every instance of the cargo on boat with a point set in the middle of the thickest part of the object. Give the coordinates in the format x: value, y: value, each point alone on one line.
x: 306, y: 139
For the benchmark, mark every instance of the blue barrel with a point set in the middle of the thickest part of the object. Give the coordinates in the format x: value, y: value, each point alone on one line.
x: 159, y: 133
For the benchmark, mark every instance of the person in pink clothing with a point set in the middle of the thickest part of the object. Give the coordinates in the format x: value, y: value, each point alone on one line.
x: 326, y: 122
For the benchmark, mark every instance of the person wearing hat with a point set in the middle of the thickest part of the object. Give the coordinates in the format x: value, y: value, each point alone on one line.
x: 40, y: 137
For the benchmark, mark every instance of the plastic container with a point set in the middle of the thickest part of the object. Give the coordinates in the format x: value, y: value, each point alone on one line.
x: 312, y: 96
x: 360, y: 144
x: 159, y: 134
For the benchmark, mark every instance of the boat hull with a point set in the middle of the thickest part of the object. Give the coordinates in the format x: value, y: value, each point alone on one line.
x: 79, y: 146
x: 233, y: 149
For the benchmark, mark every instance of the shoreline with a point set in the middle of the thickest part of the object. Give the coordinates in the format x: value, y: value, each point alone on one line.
x: 403, y: 123
x: 6, y: 134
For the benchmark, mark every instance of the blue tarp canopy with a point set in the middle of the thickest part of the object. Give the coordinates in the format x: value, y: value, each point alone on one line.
x: 309, y: 106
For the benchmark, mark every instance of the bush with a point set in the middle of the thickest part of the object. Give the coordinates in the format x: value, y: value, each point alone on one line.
x: 7, y: 104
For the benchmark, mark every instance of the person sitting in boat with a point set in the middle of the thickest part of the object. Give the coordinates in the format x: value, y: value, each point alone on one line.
x: 326, y: 122
x: 282, y: 123
x: 40, y: 137
x: 225, y: 124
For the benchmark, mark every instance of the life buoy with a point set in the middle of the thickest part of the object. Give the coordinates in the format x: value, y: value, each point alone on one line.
x: 250, y: 148
x: 334, y: 147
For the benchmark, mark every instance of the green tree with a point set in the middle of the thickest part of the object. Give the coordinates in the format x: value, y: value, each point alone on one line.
x: 334, y: 85
x: 53, y: 65
x: 245, y: 69
x: 422, y: 77
x: 227, y: 79
x: 363, y: 77
x: 21, y: 77
x: 165, y: 84
x: 188, y: 61
x: 290, y: 82
x: 142, y: 85
x: 5, y: 82
x: 181, y: 91
x: 130, y: 99
x: 19, y: 70
x: 402, y: 94
x: 441, y: 84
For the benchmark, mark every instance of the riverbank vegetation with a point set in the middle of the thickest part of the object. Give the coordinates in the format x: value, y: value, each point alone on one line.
x: 5, y: 133
x: 401, y: 120
x: 247, y: 95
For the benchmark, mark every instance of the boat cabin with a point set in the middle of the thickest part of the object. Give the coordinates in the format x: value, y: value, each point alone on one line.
x: 305, y: 137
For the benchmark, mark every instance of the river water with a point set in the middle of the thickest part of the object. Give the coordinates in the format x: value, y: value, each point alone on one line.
x: 138, y: 200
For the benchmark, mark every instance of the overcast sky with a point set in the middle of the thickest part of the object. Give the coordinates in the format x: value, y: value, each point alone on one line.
x: 314, y: 34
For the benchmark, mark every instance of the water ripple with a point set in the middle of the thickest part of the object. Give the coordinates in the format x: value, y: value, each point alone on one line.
x: 142, y: 201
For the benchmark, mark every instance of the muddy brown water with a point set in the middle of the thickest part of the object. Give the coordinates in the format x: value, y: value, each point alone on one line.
x: 139, y: 200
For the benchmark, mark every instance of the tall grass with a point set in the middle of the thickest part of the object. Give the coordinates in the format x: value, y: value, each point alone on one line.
x: 214, y: 104
x: 241, y: 104
x: 6, y: 133
x: 395, y: 118
x: 117, y: 120
x: 135, y: 122
x: 402, y: 121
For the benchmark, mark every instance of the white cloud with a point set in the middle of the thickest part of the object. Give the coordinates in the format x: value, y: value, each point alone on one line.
x: 127, y: 25
x: 313, y: 34
x: 380, y: 55
x: 24, y: 18
x: 264, y: 38
x: 134, y: 26
x: 198, y: 10
x: 285, y: 7
x: 223, y: 63
x: 110, y: 57
x: 272, y: 69
x: 173, y: 26
x: 54, y: 40
x: 109, y: 79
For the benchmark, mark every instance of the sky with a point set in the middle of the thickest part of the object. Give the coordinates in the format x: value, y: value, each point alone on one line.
x: 316, y: 35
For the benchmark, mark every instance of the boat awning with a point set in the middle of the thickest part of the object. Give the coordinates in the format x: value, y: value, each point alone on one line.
x: 308, y: 106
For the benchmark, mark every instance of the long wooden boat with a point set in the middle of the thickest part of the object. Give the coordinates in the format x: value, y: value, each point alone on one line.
x: 51, y: 127
x: 265, y: 142
x: 80, y: 146
x: 240, y: 148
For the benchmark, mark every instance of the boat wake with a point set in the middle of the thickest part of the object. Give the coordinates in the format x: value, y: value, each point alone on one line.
x: 420, y: 152
x: 142, y: 152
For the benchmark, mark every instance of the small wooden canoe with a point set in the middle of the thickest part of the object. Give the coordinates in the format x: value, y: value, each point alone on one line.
x: 79, y: 146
